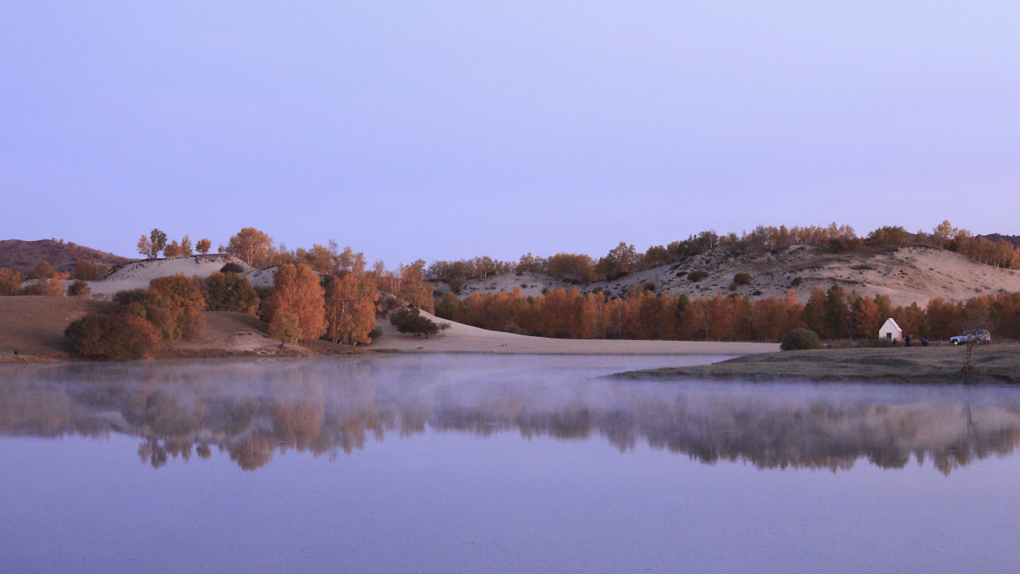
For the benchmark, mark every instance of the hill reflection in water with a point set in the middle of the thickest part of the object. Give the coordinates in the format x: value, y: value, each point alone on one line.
x: 253, y: 409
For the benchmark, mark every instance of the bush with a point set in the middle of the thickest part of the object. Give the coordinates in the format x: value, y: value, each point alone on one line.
x: 48, y: 287
x: 86, y: 270
x: 230, y: 292
x: 231, y: 268
x: 42, y: 270
x: 742, y: 278
x: 79, y: 289
x: 10, y: 281
x: 456, y: 284
x: 697, y: 275
x: 800, y: 340
x: 120, y: 337
x: 410, y: 320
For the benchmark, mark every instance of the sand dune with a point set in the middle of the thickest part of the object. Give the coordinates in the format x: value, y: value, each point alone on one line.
x: 138, y: 275
x: 906, y: 275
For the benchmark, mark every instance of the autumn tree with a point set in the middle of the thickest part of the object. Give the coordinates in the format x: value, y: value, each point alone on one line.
x: 350, y: 308
x: 185, y: 303
x: 620, y: 260
x: 837, y: 319
x: 145, y: 247
x: 298, y: 293
x: 172, y: 250
x: 10, y: 281
x: 42, y: 270
x: 413, y: 288
x: 203, y: 246
x: 86, y: 270
x: 814, y: 310
x: 286, y: 327
x: 251, y: 246
x: 867, y: 319
x: 943, y: 318
x: 157, y: 242
x: 572, y: 267
x: 186, y: 250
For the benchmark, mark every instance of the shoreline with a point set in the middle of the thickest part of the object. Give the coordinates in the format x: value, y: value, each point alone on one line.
x: 997, y: 363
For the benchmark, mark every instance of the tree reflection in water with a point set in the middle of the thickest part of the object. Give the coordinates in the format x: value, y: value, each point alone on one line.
x: 252, y: 410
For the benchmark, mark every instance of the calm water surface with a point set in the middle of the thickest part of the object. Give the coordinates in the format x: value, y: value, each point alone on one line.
x: 496, y: 464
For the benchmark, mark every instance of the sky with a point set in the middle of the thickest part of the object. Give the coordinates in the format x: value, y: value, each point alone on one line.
x: 448, y: 130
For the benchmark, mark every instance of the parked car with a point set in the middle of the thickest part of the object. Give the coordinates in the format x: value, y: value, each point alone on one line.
x: 978, y: 335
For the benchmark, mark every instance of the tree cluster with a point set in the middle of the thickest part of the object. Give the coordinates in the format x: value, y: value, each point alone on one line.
x: 168, y: 310
x: 152, y: 245
x: 832, y: 314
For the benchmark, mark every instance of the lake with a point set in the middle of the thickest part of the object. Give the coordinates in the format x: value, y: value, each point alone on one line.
x: 470, y: 463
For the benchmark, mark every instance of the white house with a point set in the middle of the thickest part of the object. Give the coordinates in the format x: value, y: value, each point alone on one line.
x: 890, y: 331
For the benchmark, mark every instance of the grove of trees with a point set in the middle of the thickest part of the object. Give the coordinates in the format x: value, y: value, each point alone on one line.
x: 832, y: 314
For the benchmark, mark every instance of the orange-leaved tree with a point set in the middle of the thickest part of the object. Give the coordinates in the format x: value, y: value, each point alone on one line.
x: 251, y: 246
x: 413, y: 287
x: 185, y: 303
x: 350, y: 308
x: 297, y: 293
x: 10, y: 281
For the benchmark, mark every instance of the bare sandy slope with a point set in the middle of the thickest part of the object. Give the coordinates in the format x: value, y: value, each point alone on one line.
x: 462, y: 338
x: 138, y: 275
x: 233, y: 333
x: 906, y: 275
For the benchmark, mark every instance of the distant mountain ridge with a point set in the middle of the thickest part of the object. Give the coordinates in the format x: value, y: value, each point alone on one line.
x: 22, y: 255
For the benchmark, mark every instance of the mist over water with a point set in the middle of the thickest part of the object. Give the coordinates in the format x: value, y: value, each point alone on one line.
x: 495, y: 463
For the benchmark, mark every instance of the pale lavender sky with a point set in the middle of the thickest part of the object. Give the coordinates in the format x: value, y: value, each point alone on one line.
x: 445, y: 130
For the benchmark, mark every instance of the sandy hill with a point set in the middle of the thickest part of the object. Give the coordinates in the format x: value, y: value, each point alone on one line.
x: 905, y: 275
x: 23, y: 255
x: 138, y: 275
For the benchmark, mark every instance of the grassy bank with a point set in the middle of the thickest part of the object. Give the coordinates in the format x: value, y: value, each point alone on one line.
x: 992, y: 363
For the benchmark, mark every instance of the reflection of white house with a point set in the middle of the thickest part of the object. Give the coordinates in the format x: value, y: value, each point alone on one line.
x: 890, y: 330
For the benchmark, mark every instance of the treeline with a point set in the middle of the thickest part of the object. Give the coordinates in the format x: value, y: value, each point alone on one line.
x: 625, y: 258
x: 833, y: 314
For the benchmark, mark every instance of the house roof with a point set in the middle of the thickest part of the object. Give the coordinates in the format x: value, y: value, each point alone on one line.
x: 890, y: 322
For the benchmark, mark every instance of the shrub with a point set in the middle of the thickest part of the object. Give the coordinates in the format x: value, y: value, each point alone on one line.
x: 409, y: 320
x: 86, y: 270
x: 456, y: 284
x: 697, y: 275
x: 231, y: 268
x: 800, y: 340
x: 48, y: 287
x: 79, y: 289
x: 742, y: 278
x: 230, y: 292
x: 42, y: 270
x: 120, y: 337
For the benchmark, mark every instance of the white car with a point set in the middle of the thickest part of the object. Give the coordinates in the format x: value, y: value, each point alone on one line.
x: 978, y: 335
